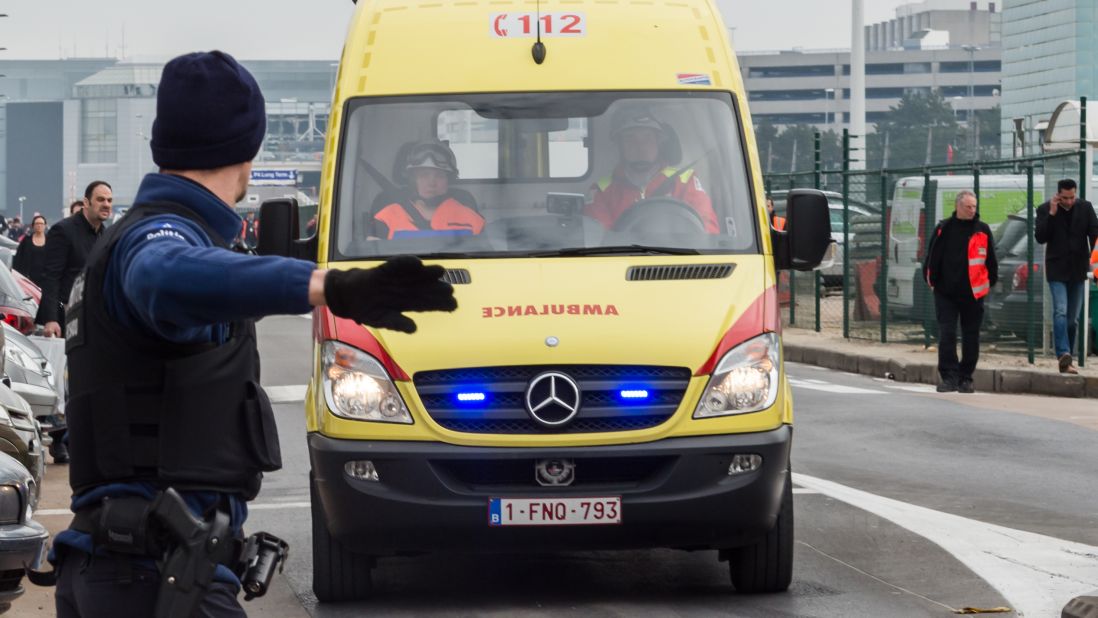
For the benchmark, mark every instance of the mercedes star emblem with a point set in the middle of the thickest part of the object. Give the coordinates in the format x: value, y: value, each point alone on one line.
x: 552, y: 399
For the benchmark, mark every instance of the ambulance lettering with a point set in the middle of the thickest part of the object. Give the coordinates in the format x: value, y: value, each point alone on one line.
x: 511, y: 311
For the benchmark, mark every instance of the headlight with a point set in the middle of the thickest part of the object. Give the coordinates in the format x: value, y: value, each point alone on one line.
x: 357, y: 387
x: 5, y: 417
x: 11, y: 505
x: 19, y: 357
x: 746, y: 380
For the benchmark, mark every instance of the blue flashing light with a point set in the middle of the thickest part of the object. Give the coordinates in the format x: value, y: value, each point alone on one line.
x: 634, y: 394
x: 471, y: 397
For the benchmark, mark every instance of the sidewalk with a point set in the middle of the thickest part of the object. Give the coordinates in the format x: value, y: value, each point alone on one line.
x: 906, y: 362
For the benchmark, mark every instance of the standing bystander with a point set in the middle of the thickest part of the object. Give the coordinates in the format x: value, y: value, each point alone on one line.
x: 960, y: 268
x: 1069, y: 229
x: 68, y: 244
x: 30, y: 257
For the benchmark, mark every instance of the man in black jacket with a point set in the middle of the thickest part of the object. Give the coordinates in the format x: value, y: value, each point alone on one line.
x: 68, y: 244
x: 1069, y: 229
x: 960, y: 268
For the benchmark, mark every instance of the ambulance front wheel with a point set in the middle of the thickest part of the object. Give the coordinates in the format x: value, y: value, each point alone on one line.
x: 338, y: 573
x: 767, y: 565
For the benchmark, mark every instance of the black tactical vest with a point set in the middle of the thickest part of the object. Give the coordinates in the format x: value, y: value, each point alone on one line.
x: 188, y: 416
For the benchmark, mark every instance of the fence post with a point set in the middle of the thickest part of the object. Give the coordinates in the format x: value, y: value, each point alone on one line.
x: 1081, y: 319
x: 929, y: 224
x: 1031, y: 275
x: 883, y: 287
x: 816, y: 182
x: 846, y: 233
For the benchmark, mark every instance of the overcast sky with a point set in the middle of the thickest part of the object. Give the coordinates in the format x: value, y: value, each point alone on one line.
x: 314, y: 29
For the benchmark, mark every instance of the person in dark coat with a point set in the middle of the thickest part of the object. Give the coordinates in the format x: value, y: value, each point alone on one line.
x: 961, y: 269
x: 30, y: 256
x: 67, y: 246
x: 1068, y: 228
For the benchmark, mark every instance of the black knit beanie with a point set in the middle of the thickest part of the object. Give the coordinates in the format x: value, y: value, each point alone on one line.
x: 209, y: 113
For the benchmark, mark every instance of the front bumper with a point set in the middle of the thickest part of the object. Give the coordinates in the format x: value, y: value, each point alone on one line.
x: 21, y: 546
x: 433, y: 496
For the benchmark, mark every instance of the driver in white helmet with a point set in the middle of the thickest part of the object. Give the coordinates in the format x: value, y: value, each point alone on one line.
x: 430, y: 204
x: 643, y: 175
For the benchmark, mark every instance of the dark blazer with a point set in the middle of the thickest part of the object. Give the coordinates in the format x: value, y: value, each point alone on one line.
x: 1068, y: 239
x: 68, y: 244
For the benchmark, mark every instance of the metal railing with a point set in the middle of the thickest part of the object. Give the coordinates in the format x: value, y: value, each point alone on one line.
x: 881, y: 220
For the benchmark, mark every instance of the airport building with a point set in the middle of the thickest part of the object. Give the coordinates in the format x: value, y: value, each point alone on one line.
x: 949, y: 46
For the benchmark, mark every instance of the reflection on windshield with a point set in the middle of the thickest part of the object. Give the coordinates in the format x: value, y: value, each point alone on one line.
x: 538, y: 174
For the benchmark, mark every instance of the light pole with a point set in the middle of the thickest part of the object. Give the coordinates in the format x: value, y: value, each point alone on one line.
x: 829, y: 93
x: 971, y: 49
x: 22, y: 198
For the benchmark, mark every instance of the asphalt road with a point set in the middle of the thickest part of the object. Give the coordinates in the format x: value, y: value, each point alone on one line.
x: 908, y: 503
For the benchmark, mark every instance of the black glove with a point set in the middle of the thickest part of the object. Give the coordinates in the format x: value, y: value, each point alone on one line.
x: 378, y: 296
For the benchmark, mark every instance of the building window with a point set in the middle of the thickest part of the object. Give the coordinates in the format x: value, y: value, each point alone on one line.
x: 962, y: 91
x: 791, y: 118
x: 99, y: 131
x: 882, y: 93
x: 787, y: 95
x: 813, y: 70
x: 980, y: 66
x: 884, y: 68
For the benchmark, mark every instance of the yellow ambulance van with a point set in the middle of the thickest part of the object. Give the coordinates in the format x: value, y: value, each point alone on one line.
x: 586, y: 172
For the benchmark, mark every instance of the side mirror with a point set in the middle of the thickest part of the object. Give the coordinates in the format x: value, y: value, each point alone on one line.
x: 279, y: 231
x: 807, y: 235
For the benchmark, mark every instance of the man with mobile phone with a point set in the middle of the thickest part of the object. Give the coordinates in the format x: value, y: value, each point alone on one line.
x: 1069, y: 229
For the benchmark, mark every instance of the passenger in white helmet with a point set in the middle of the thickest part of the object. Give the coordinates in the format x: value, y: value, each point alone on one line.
x: 430, y: 204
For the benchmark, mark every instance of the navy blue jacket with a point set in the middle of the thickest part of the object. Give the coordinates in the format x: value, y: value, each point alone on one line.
x: 168, y: 280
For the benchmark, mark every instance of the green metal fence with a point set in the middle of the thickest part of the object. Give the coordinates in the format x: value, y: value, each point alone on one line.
x: 873, y: 287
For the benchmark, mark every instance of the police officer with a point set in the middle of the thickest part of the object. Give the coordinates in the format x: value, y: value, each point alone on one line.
x: 170, y: 432
x: 432, y: 204
x: 644, y: 172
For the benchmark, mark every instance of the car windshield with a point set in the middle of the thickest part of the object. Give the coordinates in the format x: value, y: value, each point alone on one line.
x: 543, y: 174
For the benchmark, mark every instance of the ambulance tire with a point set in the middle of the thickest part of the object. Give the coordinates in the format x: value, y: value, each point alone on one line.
x: 338, y: 573
x: 767, y: 566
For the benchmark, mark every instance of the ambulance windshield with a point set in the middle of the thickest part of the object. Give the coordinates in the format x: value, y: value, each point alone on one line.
x: 543, y: 174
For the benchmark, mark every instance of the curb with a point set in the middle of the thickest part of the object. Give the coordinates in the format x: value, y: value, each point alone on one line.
x: 1085, y: 606
x: 1016, y: 381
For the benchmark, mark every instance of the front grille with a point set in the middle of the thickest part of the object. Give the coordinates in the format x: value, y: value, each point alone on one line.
x: 504, y: 409
x: 622, y: 472
x: 679, y: 272
x: 457, y: 276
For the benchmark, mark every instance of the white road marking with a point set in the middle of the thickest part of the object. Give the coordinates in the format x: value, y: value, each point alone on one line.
x: 286, y: 394
x: 51, y: 512
x: 838, y: 389
x: 1038, y: 574
x: 804, y: 490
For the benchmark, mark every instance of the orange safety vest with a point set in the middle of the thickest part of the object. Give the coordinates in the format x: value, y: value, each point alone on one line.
x: 450, y: 215
x: 1094, y: 263
x: 778, y: 223
x: 977, y: 265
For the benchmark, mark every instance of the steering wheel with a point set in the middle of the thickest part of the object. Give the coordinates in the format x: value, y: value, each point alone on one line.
x: 661, y: 215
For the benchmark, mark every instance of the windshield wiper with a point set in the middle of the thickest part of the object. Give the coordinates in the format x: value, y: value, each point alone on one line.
x: 616, y: 250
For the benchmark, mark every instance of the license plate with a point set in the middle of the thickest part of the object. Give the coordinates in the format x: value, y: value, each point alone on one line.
x: 554, y: 511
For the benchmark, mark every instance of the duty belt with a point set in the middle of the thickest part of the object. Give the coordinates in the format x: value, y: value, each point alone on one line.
x: 187, y: 549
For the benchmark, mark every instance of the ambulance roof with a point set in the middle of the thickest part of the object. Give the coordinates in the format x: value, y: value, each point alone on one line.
x: 400, y: 47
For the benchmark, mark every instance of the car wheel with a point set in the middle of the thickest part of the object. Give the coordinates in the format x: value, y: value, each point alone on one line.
x: 767, y: 565
x: 338, y: 573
